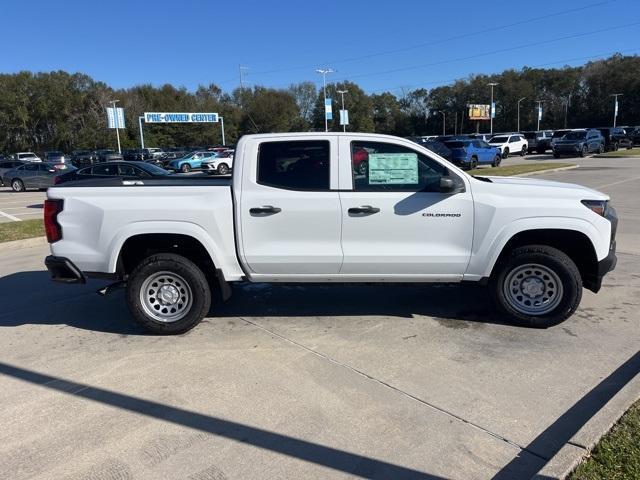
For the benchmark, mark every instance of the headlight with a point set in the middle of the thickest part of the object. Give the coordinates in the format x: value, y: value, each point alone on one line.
x: 597, y: 206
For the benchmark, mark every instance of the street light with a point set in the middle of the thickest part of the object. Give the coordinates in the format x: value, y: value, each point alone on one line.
x: 492, y: 109
x: 615, y: 106
x: 323, y: 72
x: 523, y: 98
x: 342, y: 92
x: 566, y: 109
x: 115, y: 119
x: 443, y: 122
x: 540, y: 116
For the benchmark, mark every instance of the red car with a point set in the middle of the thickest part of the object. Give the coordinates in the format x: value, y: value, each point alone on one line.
x: 360, y: 159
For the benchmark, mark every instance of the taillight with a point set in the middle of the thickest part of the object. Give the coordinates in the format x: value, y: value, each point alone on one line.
x: 51, y: 226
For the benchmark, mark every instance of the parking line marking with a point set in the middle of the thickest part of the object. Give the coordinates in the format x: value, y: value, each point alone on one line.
x: 618, y: 183
x: 9, y: 216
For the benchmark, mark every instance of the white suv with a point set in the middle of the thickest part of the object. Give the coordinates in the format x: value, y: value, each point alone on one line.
x: 510, y: 143
x: 27, y: 157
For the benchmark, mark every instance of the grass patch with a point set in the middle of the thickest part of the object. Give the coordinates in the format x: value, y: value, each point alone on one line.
x: 617, y: 455
x: 10, y: 231
x: 634, y: 152
x: 517, y: 169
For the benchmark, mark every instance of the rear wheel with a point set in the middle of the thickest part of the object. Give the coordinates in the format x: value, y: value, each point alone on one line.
x: 185, y: 168
x: 537, y: 286
x: 616, y: 147
x: 523, y: 152
x: 505, y: 154
x: 168, y: 294
x: 17, y: 185
x: 223, y: 169
x: 473, y: 164
x: 583, y: 151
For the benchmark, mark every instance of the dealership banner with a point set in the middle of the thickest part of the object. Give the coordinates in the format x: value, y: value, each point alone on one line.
x: 180, y: 117
x: 479, y: 112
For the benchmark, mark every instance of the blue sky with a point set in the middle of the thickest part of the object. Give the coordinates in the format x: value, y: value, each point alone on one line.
x: 379, y: 45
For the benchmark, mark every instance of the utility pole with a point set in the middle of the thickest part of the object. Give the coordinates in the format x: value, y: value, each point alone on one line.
x: 523, y: 98
x: 492, y: 108
x: 115, y: 119
x: 444, y: 131
x: 455, y: 124
x: 615, y: 106
x: 538, y: 114
x: 323, y: 72
x: 342, y: 92
x: 566, y: 109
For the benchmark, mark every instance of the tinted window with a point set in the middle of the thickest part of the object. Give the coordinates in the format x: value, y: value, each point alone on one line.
x: 44, y: 168
x: 575, y: 135
x: 128, y: 171
x: 106, y: 169
x: 499, y: 140
x: 295, y: 165
x: 31, y: 167
x: 391, y: 167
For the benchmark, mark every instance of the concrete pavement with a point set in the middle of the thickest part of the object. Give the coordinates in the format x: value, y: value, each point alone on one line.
x: 316, y: 382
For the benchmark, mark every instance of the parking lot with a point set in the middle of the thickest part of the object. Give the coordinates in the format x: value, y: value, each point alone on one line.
x: 314, y: 382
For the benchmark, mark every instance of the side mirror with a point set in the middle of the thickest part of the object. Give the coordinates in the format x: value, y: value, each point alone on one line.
x: 447, y: 185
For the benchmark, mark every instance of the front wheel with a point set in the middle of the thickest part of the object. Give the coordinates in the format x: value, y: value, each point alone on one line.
x: 185, y: 168
x: 584, y: 151
x: 505, y: 154
x: 537, y: 286
x: 496, y: 161
x: 168, y: 294
x: 223, y: 169
x: 601, y: 148
x: 17, y: 185
x: 556, y: 155
x: 523, y: 152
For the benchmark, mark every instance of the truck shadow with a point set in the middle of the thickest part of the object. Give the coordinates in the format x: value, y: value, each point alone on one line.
x: 31, y: 298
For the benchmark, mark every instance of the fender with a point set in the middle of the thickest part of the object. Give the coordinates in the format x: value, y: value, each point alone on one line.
x: 229, y: 266
x: 486, y: 253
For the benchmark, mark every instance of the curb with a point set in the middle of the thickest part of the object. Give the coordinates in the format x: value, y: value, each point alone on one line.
x: 24, y: 243
x: 579, y: 447
x: 550, y: 170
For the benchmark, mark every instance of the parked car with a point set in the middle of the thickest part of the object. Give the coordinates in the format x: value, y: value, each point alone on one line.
x: 192, y: 161
x: 538, y: 141
x: 55, y: 156
x: 468, y: 154
x: 39, y: 175
x: 6, y: 165
x: 26, y: 157
x: 106, y: 155
x: 413, y: 218
x: 557, y: 135
x: 579, y: 142
x: 113, y: 169
x: 482, y: 136
x: 82, y: 158
x: 218, y: 164
x: 615, y: 138
x: 633, y: 133
x: 142, y: 154
x: 510, y: 143
x: 439, y: 148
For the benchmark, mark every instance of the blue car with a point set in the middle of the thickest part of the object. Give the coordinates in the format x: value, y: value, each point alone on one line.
x: 468, y: 154
x: 193, y: 161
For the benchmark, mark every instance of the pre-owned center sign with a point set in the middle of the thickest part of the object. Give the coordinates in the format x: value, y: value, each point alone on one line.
x: 180, y: 117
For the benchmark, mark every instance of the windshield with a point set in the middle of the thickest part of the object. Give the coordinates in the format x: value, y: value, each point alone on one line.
x: 575, y: 135
x: 559, y: 133
x: 498, y: 140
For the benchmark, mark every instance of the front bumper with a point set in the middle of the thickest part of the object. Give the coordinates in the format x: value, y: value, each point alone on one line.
x: 593, y: 281
x: 63, y: 270
x: 567, y: 148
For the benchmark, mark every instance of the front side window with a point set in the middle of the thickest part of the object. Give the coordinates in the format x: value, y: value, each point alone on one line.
x: 379, y: 166
x: 108, y: 170
x: 31, y: 168
x: 294, y: 165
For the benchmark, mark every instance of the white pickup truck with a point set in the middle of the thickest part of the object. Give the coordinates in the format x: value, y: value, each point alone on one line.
x: 300, y: 208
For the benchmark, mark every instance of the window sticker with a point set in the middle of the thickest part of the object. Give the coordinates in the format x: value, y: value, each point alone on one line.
x: 393, y: 168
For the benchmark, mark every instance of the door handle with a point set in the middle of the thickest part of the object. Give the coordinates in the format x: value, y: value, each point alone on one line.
x: 264, y: 211
x: 364, y: 210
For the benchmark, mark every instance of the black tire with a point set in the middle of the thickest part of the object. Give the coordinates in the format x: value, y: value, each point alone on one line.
x: 523, y: 152
x: 363, y: 167
x: 474, y: 163
x: 556, y: 155
x: 551, y: 259
x: 185, y: 168
x: 505, y: 154
x: 223, y: 169
x: 601, y: 148
x: 184, y: 269
x: 17, y: 185
x: 583, y: 151
x: 615, y: 147
x: 540, y: 151
x: 496, y: 161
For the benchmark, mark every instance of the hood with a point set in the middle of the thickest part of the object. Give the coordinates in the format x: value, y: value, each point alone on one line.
x: 570, y: 188
x: 569, y: 142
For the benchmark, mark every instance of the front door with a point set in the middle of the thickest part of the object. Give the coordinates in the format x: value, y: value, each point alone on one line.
x: 290, y: 219
x: 397, y: 222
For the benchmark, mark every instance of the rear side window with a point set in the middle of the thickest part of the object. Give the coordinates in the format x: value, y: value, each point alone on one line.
x: 111, y: 170
x: 294, y: 165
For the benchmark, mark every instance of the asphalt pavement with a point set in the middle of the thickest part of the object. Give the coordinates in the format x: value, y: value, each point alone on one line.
x: 317, y: 382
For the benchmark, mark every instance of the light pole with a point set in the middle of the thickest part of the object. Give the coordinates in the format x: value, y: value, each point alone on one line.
x: 140, y: 118
x: 115, y: 120
x: 444, y: 132
x: 323, y: 72
x: 538, y: 113
x: 523, y: 98
x: 566, y: 109
x: 492, y: 108
x: 342, y: 92
x: 615, y: 106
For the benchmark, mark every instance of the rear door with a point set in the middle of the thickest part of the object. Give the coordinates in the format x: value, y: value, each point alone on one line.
x: 290, y: 219
x: 396, y: 221
x: 29, y: 175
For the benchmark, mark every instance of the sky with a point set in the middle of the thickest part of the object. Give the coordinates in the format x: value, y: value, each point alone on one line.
x: 382, y: 46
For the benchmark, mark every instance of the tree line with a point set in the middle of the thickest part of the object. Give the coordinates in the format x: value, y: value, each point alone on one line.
x: 63, y: 111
